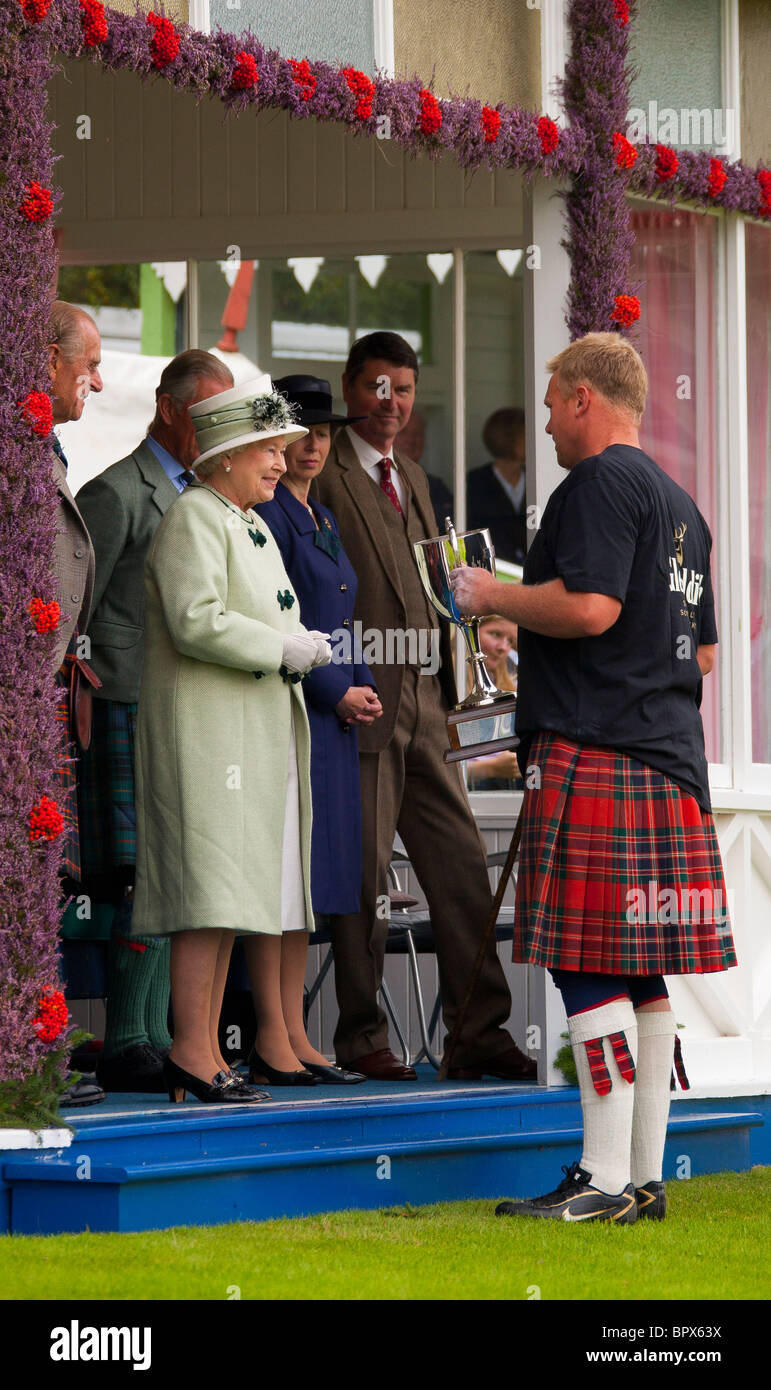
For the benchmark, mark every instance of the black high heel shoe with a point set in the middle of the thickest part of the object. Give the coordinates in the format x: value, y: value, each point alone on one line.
x: 334, y: 1076
x: 246, y: 1086
x: 221, y: 1090
x: 260, y: 1072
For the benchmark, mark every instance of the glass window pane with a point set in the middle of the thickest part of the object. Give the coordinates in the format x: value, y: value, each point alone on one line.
x: 674, y: 258
x: 140, y: 313
x: 339, y: 33
x: 495, y: 423
x: 304, y: 314
x: 495, y: 455
x: 686, y: 97
x: 758, y: 259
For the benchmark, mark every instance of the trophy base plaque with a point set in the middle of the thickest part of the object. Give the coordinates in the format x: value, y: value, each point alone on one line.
x: 476, y: 730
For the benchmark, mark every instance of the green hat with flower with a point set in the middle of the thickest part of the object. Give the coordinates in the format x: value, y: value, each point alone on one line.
x: 243, y: 415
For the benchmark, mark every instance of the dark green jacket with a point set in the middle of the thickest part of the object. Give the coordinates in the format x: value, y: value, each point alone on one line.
x: 122, y: 508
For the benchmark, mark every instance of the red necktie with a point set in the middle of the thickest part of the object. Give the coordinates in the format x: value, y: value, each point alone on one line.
x: 387, y: 486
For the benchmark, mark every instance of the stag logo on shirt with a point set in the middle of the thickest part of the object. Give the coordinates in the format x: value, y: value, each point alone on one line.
x: 687, y: 582
x: 679, y: 534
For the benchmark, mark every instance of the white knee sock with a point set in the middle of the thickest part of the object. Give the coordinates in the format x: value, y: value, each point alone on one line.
x: 607, y: 1118
x: 655, y: 1049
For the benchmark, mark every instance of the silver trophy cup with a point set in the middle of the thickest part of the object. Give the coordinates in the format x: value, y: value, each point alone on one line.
x: 436, y: 559
x: 484, y: 721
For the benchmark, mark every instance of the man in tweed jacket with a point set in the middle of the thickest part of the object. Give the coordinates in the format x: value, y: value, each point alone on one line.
x: 74, y: 356
x: 382, y: 505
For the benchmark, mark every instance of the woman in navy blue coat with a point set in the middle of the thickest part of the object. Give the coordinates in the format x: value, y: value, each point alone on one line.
x: 342, y: 695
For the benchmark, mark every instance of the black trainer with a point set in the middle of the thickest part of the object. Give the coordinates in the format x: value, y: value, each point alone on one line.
x: 651, y: 1201
x: 576, y: 1200
x: 83, y: 1092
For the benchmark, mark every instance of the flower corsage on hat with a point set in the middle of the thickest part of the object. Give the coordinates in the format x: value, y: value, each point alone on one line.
x: 243, y: 415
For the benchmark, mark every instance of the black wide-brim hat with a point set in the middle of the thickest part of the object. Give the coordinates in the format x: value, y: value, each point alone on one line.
x: 312, y: 397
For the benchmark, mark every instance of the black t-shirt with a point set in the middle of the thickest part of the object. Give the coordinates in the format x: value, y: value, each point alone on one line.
x: 618, y: 525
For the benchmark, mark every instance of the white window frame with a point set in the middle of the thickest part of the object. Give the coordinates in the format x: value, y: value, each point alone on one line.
x: 730, y: 74
x: 198, y: 16
x: 554, y: 51
x: 383, y: 30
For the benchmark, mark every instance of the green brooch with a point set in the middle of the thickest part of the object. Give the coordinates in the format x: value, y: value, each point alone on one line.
x: 257, y: 537
x: 285, y: 600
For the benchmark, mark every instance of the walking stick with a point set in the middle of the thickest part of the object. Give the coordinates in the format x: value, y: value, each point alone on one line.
x: 457, y: 1028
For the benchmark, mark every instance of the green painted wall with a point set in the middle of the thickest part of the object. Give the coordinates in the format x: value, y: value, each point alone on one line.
x: 158, y: 315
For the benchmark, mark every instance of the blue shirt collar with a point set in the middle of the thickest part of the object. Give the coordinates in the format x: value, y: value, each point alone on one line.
x: 171, y: 466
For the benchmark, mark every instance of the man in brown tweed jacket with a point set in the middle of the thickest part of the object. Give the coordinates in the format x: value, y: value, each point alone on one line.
x: 382, y: 505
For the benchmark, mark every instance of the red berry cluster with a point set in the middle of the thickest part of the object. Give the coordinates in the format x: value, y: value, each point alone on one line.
x: 491, y: 124
x: 52, y: 1017
x: 38, y: 204
x: 245, y: 74
x: 45, y: 615
x: 164, y: 46
x: 764, y: 179
x: 94, y: 22
x: 303, y: 77
x: 45, y: 820
x: 627, y: 309
x: 35, y: 10
x: 626, y: 154
x: 717, y: 177
x: 666, y: 163
x: 363, y: 89
x: 622, y: 11
x: 38, y: 412
x: 548, y: 134
x: 430, y: 113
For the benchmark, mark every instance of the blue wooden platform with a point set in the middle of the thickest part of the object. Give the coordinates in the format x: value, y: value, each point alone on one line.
x: 138, y: 1163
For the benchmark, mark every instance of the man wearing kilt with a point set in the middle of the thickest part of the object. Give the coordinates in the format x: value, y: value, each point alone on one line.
x: 620, y: 879
x: 123, y: 507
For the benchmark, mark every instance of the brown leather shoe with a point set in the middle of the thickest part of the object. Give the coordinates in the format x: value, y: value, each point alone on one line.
x: 511, y: 1065
x: 383, y: 1066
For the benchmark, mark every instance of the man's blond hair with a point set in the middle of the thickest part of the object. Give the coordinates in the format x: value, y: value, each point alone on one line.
x: 610, y: 365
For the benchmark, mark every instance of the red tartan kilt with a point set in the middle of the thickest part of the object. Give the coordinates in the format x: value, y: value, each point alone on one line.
x: 619, y: 869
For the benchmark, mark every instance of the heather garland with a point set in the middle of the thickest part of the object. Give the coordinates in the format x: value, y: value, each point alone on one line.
x: 32, y: 1068
x: 224, y: 65
x: 596, y: 97
x: 476, y: 135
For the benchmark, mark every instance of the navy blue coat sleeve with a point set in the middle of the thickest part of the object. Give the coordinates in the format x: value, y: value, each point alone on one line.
x: 316, y: 582
x: 362, y: 675
x: 326, y: 686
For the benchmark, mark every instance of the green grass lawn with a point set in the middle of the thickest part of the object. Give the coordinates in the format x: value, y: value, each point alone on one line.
x: 714, y: 1244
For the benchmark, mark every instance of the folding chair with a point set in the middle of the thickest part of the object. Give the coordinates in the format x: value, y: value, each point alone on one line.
x: 411, y: 934
x: 322, y: 937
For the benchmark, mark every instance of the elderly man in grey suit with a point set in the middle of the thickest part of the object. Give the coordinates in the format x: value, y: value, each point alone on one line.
x: 74, y: 354
x: 74, y: 357
x: 382, y: 505
x: 122, y: 508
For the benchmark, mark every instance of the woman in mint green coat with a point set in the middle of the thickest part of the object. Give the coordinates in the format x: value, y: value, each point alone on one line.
x: 223, y: 747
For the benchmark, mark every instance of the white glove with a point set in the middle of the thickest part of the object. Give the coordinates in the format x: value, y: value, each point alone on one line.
x: 323, y: 655
x: 300, y: 652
